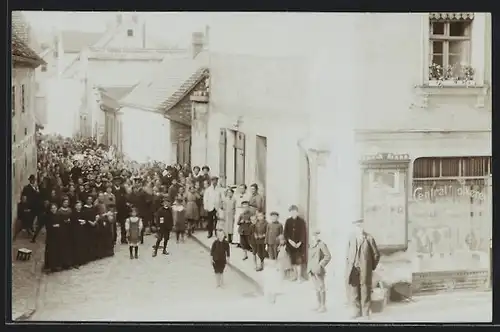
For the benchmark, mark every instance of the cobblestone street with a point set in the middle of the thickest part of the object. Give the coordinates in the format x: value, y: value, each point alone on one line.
x: 180, y: 286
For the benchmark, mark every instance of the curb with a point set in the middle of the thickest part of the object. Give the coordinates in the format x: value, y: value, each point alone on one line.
x: 245, y: 276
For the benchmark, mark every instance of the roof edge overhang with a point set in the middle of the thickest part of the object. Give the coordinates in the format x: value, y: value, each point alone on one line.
x: 205, y: 73
x: 28, y: 62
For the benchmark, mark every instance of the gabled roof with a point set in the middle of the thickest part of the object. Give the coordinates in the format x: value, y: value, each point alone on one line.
x: 75, y: 41
x: 175, y: 77
x: 111, y: 95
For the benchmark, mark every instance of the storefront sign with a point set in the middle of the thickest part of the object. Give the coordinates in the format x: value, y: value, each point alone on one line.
x: 386, y: 157
x: 460, y: 188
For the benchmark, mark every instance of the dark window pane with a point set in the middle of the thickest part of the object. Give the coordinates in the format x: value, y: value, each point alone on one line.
x: 450, y: 166
x: 438, y: 28
x: 476, y: 166
x: 424, y: 168
x: 458, y: 29
x: 437, y: 47
x: 437, y: 59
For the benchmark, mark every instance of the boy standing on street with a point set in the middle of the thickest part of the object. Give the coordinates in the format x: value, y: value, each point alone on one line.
x: 165, y: 223
x: 274, y: 229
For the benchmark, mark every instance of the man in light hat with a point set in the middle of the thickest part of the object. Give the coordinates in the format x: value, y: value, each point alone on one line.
x: 319, y: 257
x: 362, y: 259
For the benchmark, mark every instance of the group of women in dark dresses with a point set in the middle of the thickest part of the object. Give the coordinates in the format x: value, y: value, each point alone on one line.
x: 84, y: 200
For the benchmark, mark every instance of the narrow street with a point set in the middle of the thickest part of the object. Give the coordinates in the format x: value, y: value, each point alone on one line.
x: 179, y: 286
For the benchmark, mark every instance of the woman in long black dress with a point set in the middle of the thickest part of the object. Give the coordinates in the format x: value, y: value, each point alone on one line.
x: 78, y: 235
x: 91, y: 229
x: 106, y: 235
x: 64, y: 214
x: 53, y: 241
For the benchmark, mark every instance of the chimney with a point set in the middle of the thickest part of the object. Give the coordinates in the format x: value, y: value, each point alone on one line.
x: 119, y: 19
x: 197, y: 43
x: 207, y: 34
x: 135, y: 18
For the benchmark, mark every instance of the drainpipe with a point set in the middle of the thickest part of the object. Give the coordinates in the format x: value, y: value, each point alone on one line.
x: 308, y: 203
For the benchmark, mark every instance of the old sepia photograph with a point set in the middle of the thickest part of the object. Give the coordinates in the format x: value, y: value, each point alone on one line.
x: 251, y: 167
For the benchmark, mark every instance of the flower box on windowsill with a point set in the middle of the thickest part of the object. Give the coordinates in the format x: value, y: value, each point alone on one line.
x: 450, y: 83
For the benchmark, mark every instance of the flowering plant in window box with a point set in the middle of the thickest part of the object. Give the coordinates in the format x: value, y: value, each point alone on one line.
x: 457, y: 74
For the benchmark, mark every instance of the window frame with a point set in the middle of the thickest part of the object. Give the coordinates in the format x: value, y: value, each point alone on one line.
x: 130, y: 32
x: 13, y: 101
x: 437, y: 166
x: 43, y: 69
x: 445, y: 38
x: 23, y: 98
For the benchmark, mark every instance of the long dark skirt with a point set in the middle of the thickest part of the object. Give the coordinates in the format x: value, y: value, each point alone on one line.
x: 66, y: 246
x: 80, y: 243
x: 92, y: 242
x: 106, y: 245
x: 53, y: 248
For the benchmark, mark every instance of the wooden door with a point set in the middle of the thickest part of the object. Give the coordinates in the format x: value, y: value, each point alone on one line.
x: 239, y: 158
x: 222, y: 156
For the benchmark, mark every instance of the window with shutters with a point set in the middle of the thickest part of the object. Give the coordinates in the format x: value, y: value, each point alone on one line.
x: 23, y: 98
x: 13, y: 100
x: 223, y: 157
x: 239, y: 158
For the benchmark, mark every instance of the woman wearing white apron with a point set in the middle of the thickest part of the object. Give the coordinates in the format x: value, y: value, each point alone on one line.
x: 241, y: 196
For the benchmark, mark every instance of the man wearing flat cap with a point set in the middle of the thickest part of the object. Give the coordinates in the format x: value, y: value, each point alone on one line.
x: 319, y: 257
x: 212, y: 199
x: 362, y: 259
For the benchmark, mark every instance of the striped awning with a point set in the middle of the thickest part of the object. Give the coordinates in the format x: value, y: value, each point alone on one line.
x: 452, y: 16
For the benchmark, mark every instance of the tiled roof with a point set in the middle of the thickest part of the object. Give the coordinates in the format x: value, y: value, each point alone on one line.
x: 75, y: 41
x: 24, y: 32
x: 20, y: 27
x: 175, y: 77
x: 19, y: 48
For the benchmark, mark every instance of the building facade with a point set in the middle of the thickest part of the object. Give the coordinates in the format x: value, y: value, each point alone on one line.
x: 426, y: 106
x: 23, y: 89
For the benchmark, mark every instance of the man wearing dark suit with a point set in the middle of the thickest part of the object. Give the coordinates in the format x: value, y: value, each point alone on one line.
x: 362, y: 259
x: 165, y: 223
x: 33, y: 198
x: 121, y: 206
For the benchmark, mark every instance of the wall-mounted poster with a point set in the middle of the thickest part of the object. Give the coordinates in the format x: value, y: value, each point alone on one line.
x: 385, y: 206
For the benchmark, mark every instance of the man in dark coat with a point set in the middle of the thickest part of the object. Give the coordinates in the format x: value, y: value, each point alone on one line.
x: 121, y: 207
x: 165, y: 223
x: 362, y: 259
x: 33, y: 200
x: 296, y: 237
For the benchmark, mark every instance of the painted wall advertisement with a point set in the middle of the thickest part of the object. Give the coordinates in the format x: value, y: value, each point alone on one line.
x: 384, y: 206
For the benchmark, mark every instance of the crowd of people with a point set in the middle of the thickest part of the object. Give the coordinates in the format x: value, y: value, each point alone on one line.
x: 83, y: 196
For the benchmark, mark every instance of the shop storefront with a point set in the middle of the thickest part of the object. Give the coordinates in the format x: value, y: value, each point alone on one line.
x: 450, y: 212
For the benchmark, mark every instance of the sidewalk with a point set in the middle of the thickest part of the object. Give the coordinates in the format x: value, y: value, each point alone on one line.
x: 442, y: 307
x: 26, y: 276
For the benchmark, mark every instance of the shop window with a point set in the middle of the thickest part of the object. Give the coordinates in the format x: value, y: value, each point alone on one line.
x: 44, y: 68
